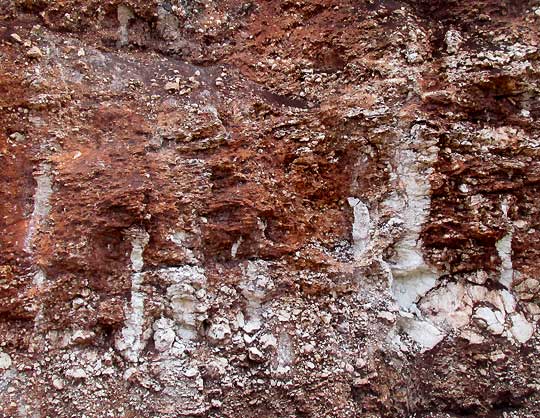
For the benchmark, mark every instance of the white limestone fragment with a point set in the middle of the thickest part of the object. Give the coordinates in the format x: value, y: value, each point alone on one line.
x: 58, y: 383
x: 408, y: 290
x: 219, y: 365
x: 285, y: 352
x: 387, y: 316
x: 448, y: 307
x: 508, y: 300
x: 191, y: 372
x: 257, y: 282
x: 472, y: 337
x: 252, y: 325
x: 188, y: 310
x: 255, y: 354
x: 422, y: 332
x: 493, y: 320
x: 521, y: 329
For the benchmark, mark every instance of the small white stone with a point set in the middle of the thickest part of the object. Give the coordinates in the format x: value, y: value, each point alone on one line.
x: 268, y: 340
x: 76, y: 373
x: 191, y: 372
x: 34, y: 52
x: 472, y: 337
x: 308, y: 348
x: 78, y: 302
x: 254, y: 324
x: 172, y: 86
x: 255, y: 354
x: 16, y: 38
x: 128, y: 373
x: 497, y: 356
x: 17, y: 136
x: 284, y: 316
x: 422, y: 332
x: 5, y: 361
x: 58, y: 383
x: 387, y: 316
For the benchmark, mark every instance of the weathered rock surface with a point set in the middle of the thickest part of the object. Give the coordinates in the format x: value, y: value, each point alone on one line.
x: 312, y: 208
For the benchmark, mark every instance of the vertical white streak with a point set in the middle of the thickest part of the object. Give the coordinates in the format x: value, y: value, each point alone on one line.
x: 130, y: 342
x: 504, y: 249
x: 42, y: 205
x: 360, y: 227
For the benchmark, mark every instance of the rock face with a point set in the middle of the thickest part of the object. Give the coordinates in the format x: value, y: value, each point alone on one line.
x: 316, y: 208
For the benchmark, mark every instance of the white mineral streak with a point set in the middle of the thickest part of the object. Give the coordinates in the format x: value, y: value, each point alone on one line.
x: 256, y: 284
x: 42, y: 204
x: 284, y: 354
x: 504, y: 248
x: 38, y: 282
x: 361, y: 226
x: 124, y: 14
x: 42, y: 207
x: 410, y: 201
x: 130, y: 341
x: 235, y: 246
x: 188, y: 310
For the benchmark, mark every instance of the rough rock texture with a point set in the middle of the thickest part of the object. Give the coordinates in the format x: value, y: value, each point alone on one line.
x: 316, y: 208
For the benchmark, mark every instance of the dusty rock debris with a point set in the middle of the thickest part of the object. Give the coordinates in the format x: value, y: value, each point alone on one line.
x: 309, y: 208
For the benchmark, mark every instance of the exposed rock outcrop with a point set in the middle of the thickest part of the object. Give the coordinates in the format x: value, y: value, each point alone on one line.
x: 272, y: 208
